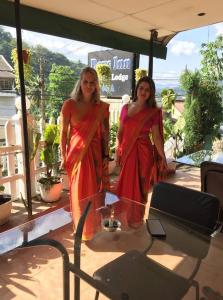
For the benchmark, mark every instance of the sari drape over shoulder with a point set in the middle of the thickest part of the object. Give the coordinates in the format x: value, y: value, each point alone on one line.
x: 137, y: 162
x: 87, y: 176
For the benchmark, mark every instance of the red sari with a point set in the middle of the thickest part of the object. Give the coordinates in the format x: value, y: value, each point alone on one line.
x: 137, y: 163
x: 84, y: 164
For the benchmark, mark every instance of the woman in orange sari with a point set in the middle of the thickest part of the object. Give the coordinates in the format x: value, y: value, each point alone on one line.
x: 139, y: 121
x: 84, y: 149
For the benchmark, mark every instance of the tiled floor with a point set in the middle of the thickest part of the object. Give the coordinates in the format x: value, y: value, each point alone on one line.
x: 36, y: 273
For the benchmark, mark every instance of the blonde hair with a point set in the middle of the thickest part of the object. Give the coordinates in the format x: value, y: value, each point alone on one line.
x: 77, y: 94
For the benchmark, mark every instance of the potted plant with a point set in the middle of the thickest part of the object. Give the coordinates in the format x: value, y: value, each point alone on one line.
x: 5, y: 205
x: 50, y: 182
x: 172, y: 127
x: 112, y: 145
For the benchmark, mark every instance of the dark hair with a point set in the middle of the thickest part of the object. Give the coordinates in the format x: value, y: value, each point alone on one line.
x: 151, y: 101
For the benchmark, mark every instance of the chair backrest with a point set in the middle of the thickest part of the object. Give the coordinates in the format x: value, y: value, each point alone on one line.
x: 77, y: 247
x: 188, y: 204
x: 212, y: 179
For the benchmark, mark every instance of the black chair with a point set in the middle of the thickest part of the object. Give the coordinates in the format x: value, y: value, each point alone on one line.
x: 212, y: 181
x: 197, y: 207
x: 136, y: 276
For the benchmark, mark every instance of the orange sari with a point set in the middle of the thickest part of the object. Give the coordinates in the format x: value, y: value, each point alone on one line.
x: 88, y: 178
x: 137, y: 162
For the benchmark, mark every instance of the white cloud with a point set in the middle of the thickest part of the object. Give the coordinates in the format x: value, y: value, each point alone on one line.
x: 73, y: 50
x: 183, y: 47
x: 219, y: 28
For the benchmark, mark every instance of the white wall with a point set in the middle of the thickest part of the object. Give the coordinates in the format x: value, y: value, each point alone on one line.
x: 7, y: 110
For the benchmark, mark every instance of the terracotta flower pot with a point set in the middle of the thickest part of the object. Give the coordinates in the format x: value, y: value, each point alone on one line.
x: 25, y: 56
x: 5, y: 208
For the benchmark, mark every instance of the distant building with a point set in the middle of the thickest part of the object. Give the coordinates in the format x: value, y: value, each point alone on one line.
x: 7, y: 95
x: 178, y: 108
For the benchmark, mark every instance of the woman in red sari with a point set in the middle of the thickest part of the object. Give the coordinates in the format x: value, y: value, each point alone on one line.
x: 139, y: 121
x: 84, y: 148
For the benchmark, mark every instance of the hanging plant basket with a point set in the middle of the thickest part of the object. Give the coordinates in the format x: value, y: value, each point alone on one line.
x: 5, y: 208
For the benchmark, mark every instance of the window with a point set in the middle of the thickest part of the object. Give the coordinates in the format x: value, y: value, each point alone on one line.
x: 6, y: 84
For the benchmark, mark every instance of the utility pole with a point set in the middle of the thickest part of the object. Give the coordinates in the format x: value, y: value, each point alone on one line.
x: 42, y: 87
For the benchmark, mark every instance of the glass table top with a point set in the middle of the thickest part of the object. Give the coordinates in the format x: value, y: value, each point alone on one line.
x: 196, y: 158
x: 108, y: 217
x: 113, y: 220
x: 14, y: 237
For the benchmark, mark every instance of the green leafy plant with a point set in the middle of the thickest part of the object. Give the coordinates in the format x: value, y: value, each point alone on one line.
x: 49, y: 155
x: 172, y: 127
x: 112, y: 141
x: 61, y: 81
x: 168, y: 100
x: 203, y: 112
x: 212, y: 59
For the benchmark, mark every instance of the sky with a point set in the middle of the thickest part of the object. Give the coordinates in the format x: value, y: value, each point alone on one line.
x: 183, y: 50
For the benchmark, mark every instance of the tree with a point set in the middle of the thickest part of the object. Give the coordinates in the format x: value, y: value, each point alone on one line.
x: 41, y: 53
x: 212, y: 59
x: 61, y: 82
x: 202, y: 111
x: 34, y: 94
x: 6, y: 45
x: 50, y: 58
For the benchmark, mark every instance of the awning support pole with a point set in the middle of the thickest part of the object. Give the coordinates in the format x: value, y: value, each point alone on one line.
x: 135, y: 65
x: 153, y: 38
x: 23, y: 104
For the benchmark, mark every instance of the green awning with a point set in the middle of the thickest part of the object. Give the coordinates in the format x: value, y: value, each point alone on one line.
x: 49, y: 23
